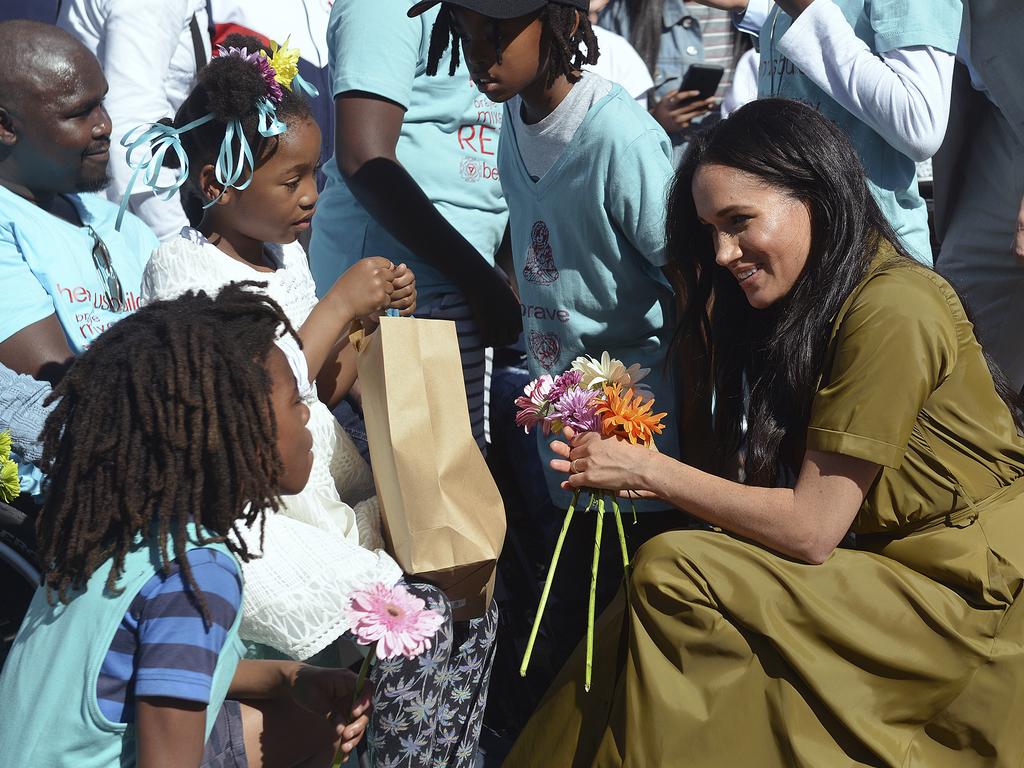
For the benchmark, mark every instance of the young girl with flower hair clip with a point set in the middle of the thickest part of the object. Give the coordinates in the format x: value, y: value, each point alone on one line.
x: 249, y: 151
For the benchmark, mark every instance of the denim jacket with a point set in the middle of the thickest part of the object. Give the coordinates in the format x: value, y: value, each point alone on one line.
x: 681, y: 41
x: 682, y: 44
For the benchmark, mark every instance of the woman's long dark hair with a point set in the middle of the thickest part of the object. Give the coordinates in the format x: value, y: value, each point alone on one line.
x: 776, y: 353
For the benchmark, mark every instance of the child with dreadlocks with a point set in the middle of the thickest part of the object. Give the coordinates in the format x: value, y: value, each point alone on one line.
x: 179, y: 426
x: 319, y: 549
x: 586, y: 173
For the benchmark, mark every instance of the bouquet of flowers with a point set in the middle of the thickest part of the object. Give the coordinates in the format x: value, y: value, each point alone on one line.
x: 9, y: 485
x: 602, y: 396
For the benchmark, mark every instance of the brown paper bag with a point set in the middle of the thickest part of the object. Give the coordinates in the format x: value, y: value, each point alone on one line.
x: 444, y: 520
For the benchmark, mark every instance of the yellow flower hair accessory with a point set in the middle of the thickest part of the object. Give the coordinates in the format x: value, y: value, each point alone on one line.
x: 285, y: 61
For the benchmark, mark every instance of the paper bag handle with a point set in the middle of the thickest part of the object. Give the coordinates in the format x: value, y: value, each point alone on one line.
x: 357, y: 331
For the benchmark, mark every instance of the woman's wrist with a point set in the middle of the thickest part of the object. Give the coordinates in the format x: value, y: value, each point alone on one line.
x: 652, y: 470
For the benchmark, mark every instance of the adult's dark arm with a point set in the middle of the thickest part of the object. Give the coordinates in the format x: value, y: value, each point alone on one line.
x: 366, y: 139
x: 39, y: 350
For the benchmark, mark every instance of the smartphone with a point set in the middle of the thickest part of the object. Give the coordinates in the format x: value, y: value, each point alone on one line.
x: 703, y: 78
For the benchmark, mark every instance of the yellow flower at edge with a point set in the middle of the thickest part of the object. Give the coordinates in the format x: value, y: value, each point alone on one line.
x: 628, y: 416
x: 285, y: 62
x: 5, y: 444
x: 10, y: 487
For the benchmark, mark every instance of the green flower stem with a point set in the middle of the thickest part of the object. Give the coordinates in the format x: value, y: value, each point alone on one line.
x: 547, y: 583
x: 622, y: 543
x: 364, y: 672
x: 593, y: 591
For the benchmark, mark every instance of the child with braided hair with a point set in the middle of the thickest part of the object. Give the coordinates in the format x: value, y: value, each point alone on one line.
x: 253, y: 150
x: 179, y: 427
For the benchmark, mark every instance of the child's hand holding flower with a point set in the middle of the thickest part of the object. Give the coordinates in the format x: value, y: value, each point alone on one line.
x: 332, y: 694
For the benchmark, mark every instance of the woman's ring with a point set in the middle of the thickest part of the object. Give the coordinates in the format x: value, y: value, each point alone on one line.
x: 572, y: 467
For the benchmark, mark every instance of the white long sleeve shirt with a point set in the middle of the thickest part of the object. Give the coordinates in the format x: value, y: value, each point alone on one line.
x: 148, y: 54
x: 902, y: 94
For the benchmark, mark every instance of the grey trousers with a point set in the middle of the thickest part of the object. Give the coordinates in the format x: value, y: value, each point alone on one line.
x: 976, y: 254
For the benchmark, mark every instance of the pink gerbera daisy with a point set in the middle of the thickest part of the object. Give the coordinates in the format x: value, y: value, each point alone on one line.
x: 393, y: 618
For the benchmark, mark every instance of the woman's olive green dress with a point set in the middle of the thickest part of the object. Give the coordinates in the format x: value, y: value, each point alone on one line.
x: 908, y: 651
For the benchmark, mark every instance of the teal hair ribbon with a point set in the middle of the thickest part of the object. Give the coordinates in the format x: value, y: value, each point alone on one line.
x: 229, y: 169
x: 159, y: 139
x: 305, y: 86
x: 163, y: 138
x: 268, y: 123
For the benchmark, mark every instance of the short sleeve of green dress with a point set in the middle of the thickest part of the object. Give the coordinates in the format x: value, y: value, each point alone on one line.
x: 906, y: 386
x: 893, y: 345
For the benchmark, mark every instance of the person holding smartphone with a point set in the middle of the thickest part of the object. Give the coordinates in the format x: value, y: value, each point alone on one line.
x: 881, y: 69
x: 672, y: 36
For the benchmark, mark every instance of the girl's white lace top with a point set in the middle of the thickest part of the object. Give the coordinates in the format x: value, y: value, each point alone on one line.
x: 296, y: 595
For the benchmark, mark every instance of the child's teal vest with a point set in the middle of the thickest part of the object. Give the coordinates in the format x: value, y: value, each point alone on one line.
x: 49, y: 716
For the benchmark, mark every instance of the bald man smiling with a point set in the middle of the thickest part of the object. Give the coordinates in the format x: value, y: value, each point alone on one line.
x: 67, y: 274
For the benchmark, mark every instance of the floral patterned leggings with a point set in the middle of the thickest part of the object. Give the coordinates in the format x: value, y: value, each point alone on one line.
x: 427, y: 711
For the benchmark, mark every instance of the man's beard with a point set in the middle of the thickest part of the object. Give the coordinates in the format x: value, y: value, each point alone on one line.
x: 97, y: 184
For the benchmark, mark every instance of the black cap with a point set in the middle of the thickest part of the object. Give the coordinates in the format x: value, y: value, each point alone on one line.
x: 500, y: 9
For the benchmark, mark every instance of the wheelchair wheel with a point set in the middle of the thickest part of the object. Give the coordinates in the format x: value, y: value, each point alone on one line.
x: 19, y: 576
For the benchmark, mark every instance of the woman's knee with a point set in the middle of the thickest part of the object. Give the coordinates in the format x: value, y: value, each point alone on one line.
x: 671, y: 556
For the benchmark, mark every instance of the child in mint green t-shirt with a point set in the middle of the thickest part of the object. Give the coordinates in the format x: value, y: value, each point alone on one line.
x: 586, y: 172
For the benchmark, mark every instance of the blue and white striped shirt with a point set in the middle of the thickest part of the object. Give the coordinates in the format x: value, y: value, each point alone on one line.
x: 163, y: 647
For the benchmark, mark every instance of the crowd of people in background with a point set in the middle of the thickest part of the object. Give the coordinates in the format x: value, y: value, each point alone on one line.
x: 199, y: 197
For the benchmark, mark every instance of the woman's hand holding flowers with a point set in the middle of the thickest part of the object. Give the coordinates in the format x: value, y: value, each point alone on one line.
x: 592, y: 461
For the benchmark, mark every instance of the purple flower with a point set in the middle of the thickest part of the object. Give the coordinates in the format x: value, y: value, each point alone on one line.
x: 274, y: 92
x: 577, y: 409
x: 563, y: 383
x: 259, y: 60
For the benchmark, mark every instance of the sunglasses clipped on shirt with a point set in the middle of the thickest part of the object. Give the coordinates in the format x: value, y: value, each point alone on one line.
x: 105, y: 269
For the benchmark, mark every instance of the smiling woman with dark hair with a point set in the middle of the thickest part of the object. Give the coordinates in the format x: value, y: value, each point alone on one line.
x: 869, y: 408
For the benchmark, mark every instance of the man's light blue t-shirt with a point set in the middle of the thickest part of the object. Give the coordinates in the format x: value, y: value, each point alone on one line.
x: 46, y: 268
x: 588, y: 240
x: 885, y: 25
x: 448, y: 143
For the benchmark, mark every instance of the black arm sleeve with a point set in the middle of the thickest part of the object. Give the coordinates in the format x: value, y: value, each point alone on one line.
x: 397, y: 203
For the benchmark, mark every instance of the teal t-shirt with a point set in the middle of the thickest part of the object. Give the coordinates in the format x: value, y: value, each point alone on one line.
x: 588, y: 241
x: 885, y: 25
x: 448, y: 143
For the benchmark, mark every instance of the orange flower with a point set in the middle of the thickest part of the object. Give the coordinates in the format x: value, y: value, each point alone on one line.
x: 628, y: 416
